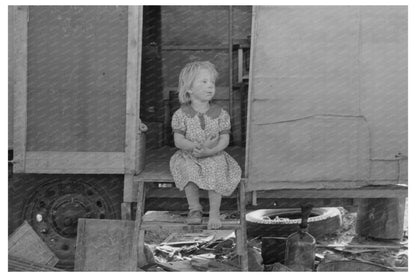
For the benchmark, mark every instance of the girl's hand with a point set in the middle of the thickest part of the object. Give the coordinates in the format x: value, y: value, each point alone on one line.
x: 201, y: 151
x: 211, y: 141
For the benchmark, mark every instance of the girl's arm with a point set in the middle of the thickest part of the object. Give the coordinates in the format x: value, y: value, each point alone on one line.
x: 223, y: 142
x: 182, y: 143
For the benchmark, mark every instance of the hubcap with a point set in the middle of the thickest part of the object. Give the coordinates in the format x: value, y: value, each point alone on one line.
x: 53, y: 212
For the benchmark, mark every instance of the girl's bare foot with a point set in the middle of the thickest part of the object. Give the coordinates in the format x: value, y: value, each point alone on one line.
x: 214, y: 222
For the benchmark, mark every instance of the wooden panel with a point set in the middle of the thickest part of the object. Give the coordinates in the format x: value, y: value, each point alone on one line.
x: 133, y: 89
x: 103, y: 245
x: 75, y: 162
x: 20, y: 15
x: 77, y: 57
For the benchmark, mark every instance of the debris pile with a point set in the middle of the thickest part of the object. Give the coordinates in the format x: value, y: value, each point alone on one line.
x: 210, y: 250
x: 346, y: 245
x: 215, y: 250
x: 345, y: 251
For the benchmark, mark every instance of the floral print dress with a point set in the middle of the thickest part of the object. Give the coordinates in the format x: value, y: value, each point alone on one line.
x: 220, y: 172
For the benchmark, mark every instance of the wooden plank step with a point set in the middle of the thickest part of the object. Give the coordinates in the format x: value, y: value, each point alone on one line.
x: 177, y: 220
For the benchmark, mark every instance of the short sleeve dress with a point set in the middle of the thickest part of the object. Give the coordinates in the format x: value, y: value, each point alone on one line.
x: 220, y: 172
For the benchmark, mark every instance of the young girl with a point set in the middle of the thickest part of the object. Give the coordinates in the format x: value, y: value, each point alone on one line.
x: 201, y: 132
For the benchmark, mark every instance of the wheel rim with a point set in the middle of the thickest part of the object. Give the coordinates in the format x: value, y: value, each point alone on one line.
x: 53, y: 211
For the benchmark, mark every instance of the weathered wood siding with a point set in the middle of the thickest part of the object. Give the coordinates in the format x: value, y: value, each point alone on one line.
x: 76, y: 96
x: 327, y: 88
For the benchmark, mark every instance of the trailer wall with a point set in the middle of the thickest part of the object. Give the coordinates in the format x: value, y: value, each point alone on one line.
x: 328, y: 97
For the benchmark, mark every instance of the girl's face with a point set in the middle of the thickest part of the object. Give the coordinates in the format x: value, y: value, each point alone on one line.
x: 203, y: 87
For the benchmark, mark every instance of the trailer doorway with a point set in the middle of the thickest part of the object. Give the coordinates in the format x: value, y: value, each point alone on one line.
x: 176, y: 35
x: 205, y: 33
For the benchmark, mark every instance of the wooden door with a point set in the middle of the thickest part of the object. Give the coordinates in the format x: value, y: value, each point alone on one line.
x: 76, y: 88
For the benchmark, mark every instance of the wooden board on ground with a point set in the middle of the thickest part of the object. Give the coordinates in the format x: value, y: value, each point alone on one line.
x: 20, y: 264
x: 103, y: 245
x: 25, y: 243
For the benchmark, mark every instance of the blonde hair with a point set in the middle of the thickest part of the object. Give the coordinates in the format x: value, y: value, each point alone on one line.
x: 188, y: 75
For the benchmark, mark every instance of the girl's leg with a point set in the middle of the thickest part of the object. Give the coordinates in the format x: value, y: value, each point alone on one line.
x: 195, y: 208
x: 214, y: 221
x: 192, y: 195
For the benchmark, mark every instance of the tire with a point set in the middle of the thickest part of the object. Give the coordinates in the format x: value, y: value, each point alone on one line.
x: 263, y: 223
